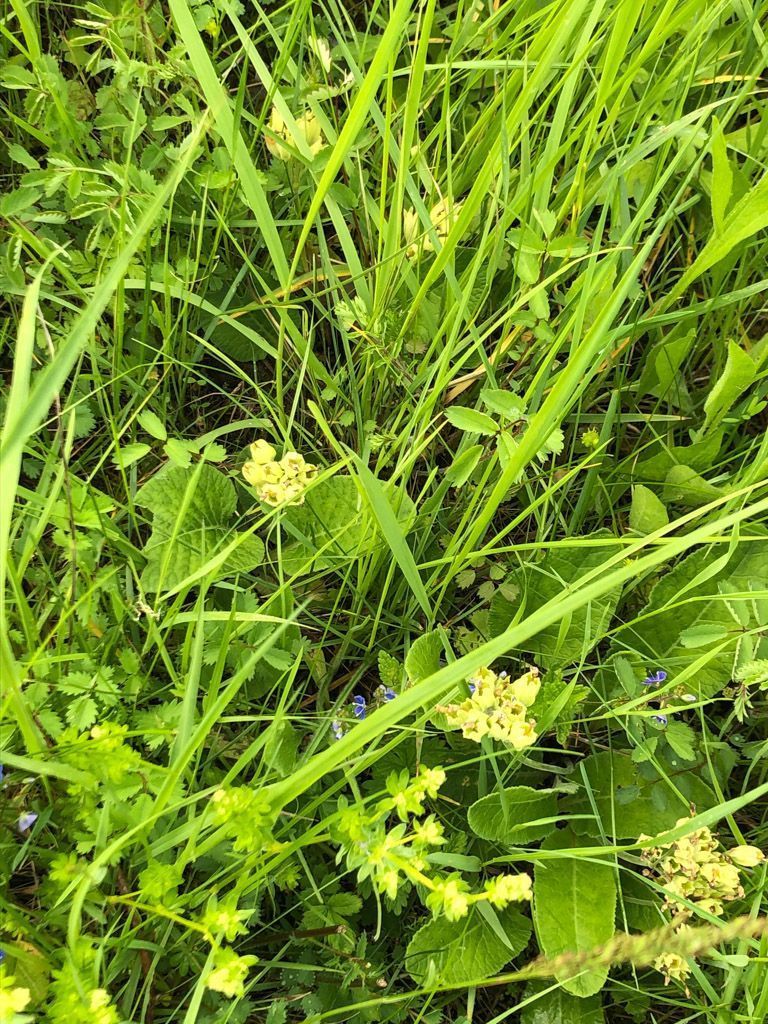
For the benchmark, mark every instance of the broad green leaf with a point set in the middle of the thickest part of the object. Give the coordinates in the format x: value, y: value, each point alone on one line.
x: 647, y: 513
x: 281, y: 745
x: 130, y: 453
x: 459, y: 952
x: 463, y: 466
x: 682, y: 739
x: 153, y: 425
x: 661, y: 376
x: 630, y: 799
x: 471, y: 420
x: 505, y: 817
x: 722, y: 177
x: 737, y: 376
x: 328, y: 529
x: 506, y: 403
x: 684, y: 486
x: 191, y: 514
x: 423, y: 659
x: 560, y: 1007
x: 556, y: 574
x: 574, y: 907
x: 655, y: 640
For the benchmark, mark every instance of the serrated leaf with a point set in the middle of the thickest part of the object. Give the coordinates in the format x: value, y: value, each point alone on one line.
x: 704, y: 635
x: 682, y: 739
x: 153, y: 425
x: 574, y: 908
x: 390, y: 670
x: 560, y: 1007
x: 424, y: 656
x: 471, y: 421
x: 458, y: 952
x: 506, y: 817
x: 180, y: 452
x: 82, y: 712
x: 328, y: 529
x: 629, y: 801
x: 655, y: 638
x: 191, y: 515
x: 542, y: 581
x: 505, y: 403
x: 647, y: 513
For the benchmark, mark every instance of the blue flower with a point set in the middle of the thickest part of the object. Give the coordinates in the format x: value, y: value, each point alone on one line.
x: 337, y: 728
x: 389, y: 693
x: 26, y: 821
x: 656, y: 678
x: 358, y: 706
x: 2, y: 773
x: 661, y: 719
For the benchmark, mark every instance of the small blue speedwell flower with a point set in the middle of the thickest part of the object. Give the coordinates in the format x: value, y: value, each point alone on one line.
x: 656, y: 678
x: 358, y: 706
x: 337, y: 728
x: 661, y: 719
x: 26, y: 821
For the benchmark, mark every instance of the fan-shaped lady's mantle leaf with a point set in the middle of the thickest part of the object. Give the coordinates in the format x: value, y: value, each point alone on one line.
x: 192, y: 510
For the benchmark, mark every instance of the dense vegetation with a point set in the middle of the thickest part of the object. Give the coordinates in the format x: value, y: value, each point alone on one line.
x: 383, y: 550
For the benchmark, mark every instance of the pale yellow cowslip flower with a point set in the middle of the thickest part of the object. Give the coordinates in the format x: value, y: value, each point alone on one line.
x: 277, y: 482
x: 308, y: 128
x: 746, y: 856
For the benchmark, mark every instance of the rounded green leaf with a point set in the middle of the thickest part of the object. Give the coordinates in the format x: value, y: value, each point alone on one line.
x: 511, y: 816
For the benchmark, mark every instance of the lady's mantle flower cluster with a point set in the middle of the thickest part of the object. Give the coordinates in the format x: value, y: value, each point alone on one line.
x: 277, y: 481
x: 13, y: 998
x: 497, y: 707
x: 393, y: 857
x: 696, y: 874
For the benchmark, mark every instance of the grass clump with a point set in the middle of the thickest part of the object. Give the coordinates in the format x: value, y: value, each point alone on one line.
x: 383, y: 550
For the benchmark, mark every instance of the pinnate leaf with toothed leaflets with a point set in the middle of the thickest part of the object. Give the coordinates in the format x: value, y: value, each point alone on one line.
x: 560, y: 1007
x: 457, y: 952
x: 192, y: 513
x: 678, y: 604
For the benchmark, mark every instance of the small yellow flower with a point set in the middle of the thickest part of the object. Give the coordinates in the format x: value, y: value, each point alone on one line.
x: 672, y: 966
x: 497, y: 707
x: 229, y: 973
x: 746, y: 856
x: 430, y: 780
x: 508, y: 889
x: 277, y: 482
x: 389, y: 881
x: 13, y: 1000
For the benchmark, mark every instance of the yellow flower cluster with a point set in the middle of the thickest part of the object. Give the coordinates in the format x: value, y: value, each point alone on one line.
x: 695, y: 869
x: 229, y: 973
x: 497, y: 707
x: 277, y: 481
x: 442, y: 216
x: 12, y: 999
x: 308, y: 128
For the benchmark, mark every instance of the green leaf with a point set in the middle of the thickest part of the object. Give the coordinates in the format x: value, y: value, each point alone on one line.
x: 655, y: 638
x: 703, y: 635
x: 559, y: 1007
x: 459, y: 952
x: 505, y: 817
x: 682, y: 739
x: 722, y: 177
x: 328, y: 529
x: 661, y: 376
x: 574, y: 907
x: 180, y: 452
x: 739, y: 373
x: 471, y: 420
x: 191, y: 513
x: 280, y: 747
x: 685, y: 486
x: 463, y: 466
x: 630, y: 799
x: 424, y: 656
x: 390, y: 670
x: 505, y: 403
x: 130, y: 453
x: 648, y: 513
x: 555, y: 575
x: 153, y: 425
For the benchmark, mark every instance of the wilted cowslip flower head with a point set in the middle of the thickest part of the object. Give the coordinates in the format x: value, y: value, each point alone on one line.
x: 497, y: 707
x: 308, y: 128
x: 746, y: 856
x: 277, y: 481
x: 694, y: 868
x: 442, y: 217
x: 673, y: 966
